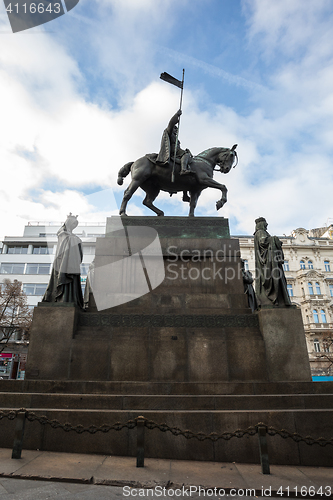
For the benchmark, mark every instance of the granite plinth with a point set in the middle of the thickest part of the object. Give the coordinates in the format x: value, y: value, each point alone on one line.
x: 174, y: 227
x: 51, y: 338
x: 192, y: 267
x: 195, y: 326
x: 285, y: 345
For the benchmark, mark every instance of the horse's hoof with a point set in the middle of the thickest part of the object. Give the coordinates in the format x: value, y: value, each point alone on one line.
x: 122, y: 214
x: 161, y: 214
x: 219, y: 204
x: 191, y: 215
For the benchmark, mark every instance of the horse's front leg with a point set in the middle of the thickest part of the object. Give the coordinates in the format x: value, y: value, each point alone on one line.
x: 223, y: 200
x: 193, y: 201
x: 209, y: 182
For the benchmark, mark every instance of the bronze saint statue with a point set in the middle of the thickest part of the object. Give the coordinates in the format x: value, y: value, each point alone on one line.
x: 65, y: 284
x: 248, y: 288
x: 271, y: 284
x: 156, y: 172
x: 168, y: 145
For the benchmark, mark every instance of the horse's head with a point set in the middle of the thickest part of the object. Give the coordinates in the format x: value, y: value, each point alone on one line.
x: 227, y: 159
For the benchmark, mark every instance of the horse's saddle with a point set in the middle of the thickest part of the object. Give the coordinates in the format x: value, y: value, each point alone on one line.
x: 153, y: 157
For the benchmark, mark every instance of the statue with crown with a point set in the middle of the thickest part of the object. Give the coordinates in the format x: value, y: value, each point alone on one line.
x: 64, y: 284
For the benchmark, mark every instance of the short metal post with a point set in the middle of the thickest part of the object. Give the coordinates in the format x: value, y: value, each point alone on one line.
x: 140, y: 456
x: 263, y: 449
x: 19, y: 434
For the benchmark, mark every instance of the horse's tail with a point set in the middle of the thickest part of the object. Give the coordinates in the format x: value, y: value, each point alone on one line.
x: 123, y: 172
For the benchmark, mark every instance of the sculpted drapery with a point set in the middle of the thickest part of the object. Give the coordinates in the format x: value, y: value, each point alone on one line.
x: 65, y: 284
x: 271, y: 284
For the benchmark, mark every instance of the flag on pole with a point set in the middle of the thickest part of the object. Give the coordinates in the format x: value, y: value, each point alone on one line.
x: 180, y: 84
x: 170, y: 79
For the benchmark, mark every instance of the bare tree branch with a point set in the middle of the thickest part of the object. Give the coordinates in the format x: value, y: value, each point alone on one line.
x: 15, y: 314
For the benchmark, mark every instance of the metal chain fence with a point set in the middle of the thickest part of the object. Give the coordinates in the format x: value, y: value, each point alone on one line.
x: 141, y: 422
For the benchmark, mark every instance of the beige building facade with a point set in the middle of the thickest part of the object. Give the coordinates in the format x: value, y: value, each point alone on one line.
x: 309, y: 272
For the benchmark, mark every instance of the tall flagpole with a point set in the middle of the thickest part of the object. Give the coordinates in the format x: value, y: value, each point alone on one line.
x: 176, y: 143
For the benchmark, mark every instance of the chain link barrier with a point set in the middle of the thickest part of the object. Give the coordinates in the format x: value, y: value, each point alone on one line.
x: 67, y: 427
x: 149, y: 424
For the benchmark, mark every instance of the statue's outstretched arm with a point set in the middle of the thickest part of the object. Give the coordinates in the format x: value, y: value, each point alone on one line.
x: 174, y: 120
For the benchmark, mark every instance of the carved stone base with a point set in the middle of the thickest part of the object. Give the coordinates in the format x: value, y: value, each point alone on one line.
x: 285, y: 345
x: 195, y: 326
x: 189, y: 353
x: 51, y: 337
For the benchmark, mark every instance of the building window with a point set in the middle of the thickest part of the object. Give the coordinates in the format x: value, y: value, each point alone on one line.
x: 286, y: 265
x: 34, y: 288
x: 316, y: 345
x: 323, y: 316
x: 310, y: 288
x: 84, y: 268
x: 17, y: 250
x: 315, y: 316
x: 318, y: 291
x: 42, y: 250
x: 310, y: 265
x: 331, y: 290
x: 302, y: 264
x: 246, y: 265
x: 38, y: 269
x: 290, y: 290
x: 326, y: 347
x: 12, y: 268
x: 327, y: 265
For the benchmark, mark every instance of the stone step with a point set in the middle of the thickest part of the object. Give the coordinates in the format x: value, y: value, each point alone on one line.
x: 177, y: 403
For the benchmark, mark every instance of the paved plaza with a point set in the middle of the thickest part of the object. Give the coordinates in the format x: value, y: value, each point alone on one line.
x: 42, y: 475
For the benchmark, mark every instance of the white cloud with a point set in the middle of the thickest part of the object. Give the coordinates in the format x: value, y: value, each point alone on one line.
x: 288, y: 25
x: 56, y: 142
x: 52, y: 134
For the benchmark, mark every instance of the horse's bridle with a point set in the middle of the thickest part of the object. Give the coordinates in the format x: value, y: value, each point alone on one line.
x: 221, y: 164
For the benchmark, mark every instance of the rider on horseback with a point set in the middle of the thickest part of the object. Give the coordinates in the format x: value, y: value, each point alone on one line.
x: 168, y: 145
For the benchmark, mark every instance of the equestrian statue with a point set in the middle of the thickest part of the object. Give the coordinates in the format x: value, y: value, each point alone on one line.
x: 174, y: 169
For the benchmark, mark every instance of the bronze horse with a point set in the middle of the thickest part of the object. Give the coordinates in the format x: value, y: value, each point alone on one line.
x: 153, y: 178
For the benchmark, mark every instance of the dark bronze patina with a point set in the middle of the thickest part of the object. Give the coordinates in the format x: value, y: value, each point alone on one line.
x: 271, y: 284
x: 154, y: 172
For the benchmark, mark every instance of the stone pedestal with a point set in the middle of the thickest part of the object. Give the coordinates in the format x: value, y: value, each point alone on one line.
x: 189, y: 320
x: 285, y: 345
x: 51, y: 338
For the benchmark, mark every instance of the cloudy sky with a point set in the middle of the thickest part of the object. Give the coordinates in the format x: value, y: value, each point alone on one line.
x: 81, y: 96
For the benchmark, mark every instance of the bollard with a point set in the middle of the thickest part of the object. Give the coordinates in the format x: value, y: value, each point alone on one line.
x: 19, y: 434
x: 140, y: 429
x: 263, y: 449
